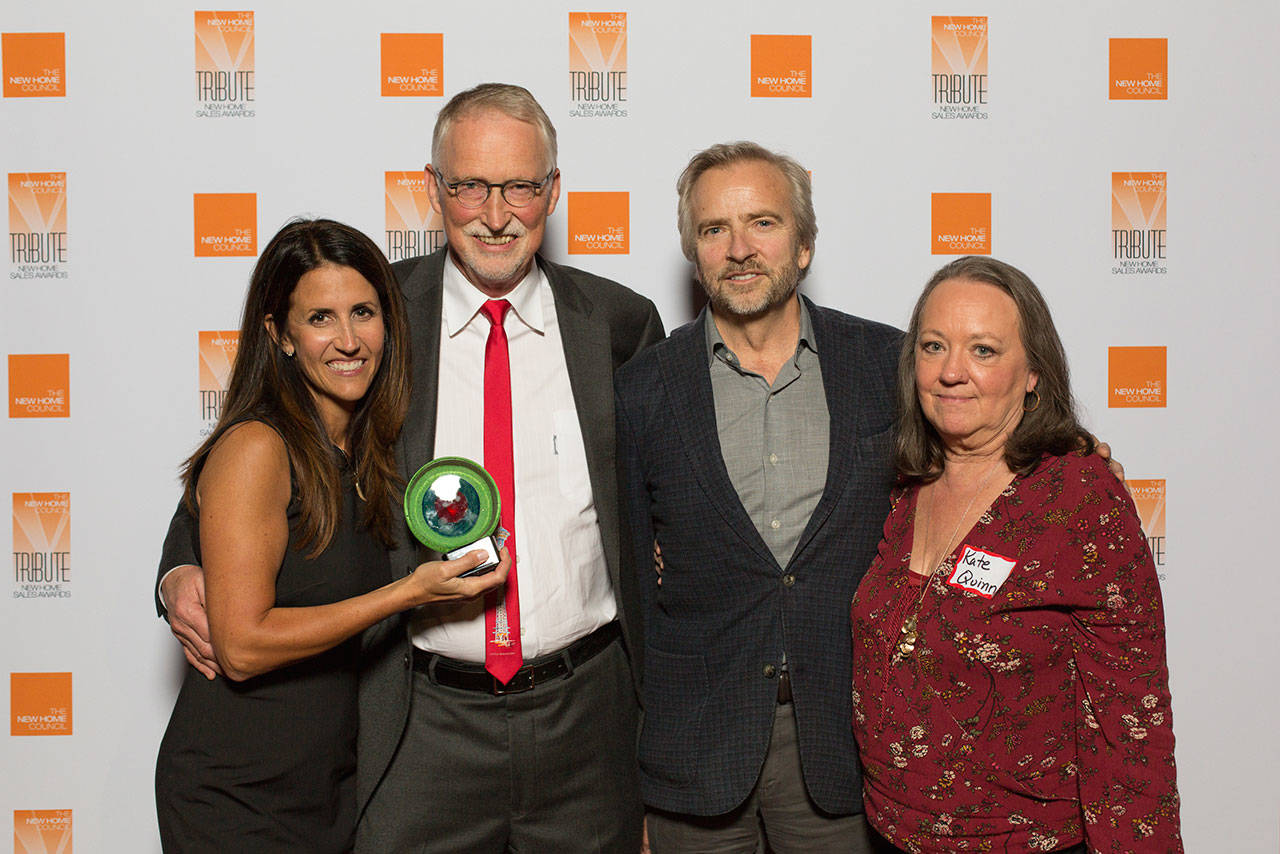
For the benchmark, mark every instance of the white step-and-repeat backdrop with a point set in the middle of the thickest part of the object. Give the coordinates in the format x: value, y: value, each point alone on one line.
x: 1124, y: 155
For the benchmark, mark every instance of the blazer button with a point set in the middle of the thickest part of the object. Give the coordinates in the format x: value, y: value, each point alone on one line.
x: 770, y: 671
x: 408, y: 660
x: 788, y: 580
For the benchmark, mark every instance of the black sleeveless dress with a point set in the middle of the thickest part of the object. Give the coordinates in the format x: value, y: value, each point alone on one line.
x: 268, y: 764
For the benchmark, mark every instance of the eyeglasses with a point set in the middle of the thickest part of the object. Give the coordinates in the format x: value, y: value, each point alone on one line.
x: 472, y: 193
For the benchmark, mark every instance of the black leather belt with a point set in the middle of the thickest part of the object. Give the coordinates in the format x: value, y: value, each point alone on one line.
x: 473, y: 677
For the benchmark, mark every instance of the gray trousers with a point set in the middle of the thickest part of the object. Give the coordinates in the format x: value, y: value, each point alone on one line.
x: 778, y: 811
x: 551, y: 769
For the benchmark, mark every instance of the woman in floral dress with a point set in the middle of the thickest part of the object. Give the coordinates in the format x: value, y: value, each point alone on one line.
x: 1010, y: 690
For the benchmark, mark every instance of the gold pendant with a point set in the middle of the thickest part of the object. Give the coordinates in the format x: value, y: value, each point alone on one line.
x: 907, y: 637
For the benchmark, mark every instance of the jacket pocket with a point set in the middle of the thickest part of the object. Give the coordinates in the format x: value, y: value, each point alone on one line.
x: 675, y: 692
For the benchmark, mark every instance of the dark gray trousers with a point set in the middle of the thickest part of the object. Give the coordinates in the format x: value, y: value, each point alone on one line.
x: 551, y: 769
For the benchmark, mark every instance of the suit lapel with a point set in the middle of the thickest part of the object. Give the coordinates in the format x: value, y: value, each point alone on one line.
x: 688, y: 380
x: 423, y: 291
x: 836, y: 354
x: 588, y: 348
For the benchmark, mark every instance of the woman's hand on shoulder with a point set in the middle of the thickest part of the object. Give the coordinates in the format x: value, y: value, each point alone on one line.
x: 1103, y: 450
x: 438, y: 581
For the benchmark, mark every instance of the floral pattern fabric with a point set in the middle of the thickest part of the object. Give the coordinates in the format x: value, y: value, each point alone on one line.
x: 1033, y: 719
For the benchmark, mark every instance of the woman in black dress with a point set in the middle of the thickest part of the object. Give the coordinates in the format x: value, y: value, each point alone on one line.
x: 295, y: 494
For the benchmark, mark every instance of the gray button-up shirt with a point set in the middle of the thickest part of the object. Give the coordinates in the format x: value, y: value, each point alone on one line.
x: 774, y: 439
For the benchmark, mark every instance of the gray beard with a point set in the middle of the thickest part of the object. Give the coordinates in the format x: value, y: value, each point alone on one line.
x: 781, y: 286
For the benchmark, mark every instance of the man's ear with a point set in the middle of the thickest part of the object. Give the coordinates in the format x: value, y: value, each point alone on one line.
x: 433, y: 190
x: 553, y: 193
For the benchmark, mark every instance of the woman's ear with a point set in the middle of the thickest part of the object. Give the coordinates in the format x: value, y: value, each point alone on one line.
x: 286, y: 347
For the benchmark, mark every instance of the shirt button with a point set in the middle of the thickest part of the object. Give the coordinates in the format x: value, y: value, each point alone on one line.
x: 770, y: 671
x: 775, y: 524
x: 773, y: 459
x: 788, y: 580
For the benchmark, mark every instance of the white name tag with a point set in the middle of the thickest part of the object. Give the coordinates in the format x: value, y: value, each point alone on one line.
x: 980, y: 572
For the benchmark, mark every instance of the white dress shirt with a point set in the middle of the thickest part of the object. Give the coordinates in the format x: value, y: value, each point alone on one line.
x: 562, y: 576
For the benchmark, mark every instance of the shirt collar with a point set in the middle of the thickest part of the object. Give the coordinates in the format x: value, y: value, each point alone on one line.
x: 462, y: 300
x: 715, y: 343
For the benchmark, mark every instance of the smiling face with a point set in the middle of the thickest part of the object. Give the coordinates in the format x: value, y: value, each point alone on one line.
x: 334, y: 332
x: 747, y: 255
x: 971, y: 367
x: 493, y: 244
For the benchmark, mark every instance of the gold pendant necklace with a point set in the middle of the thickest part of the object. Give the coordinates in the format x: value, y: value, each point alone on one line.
x: 909, y: 633
x: 907, y: 637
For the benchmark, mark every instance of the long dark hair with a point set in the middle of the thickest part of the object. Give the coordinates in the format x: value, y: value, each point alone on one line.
x: 267, y: 386
x: 1047, y: 427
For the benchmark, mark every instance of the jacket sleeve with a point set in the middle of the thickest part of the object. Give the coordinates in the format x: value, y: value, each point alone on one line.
x: 180, y: 547
x: 637, y: 523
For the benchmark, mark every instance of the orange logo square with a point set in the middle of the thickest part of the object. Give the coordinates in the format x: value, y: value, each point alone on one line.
x: 42, y: 832
x: 959, y: 44
x: 38, y: 217
x: 42, y: 538
x: 224, y: 57
x: 39, y: 385
x: 1139, y: 70
x: 40, y: 704
x: 599, y: 223
x: 1136, y: 377
x: 597, y: 57
x: 961, y: 223
x: 413, y: 226
x: 217, y: 356
x: 781, y: 66
x: 35, y: 64
x: 1138, y: 200
x: 413, y: 64
x: 226, y: 225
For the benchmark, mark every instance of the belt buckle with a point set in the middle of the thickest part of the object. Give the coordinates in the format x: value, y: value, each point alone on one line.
x: 522, y: 681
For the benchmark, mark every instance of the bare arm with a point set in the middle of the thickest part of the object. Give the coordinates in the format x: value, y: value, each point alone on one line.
x: 244, y: 496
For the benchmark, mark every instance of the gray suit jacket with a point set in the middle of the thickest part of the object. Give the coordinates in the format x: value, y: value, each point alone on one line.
x: 602, y: 324
x: 726, y: 611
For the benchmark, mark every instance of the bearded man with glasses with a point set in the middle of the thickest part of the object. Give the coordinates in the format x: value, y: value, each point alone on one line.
x: 459, y: 751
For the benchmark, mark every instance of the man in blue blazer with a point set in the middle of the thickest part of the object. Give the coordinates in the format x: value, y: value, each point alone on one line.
x: 755, y: 452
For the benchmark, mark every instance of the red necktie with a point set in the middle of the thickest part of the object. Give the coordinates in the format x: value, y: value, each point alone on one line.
x: 502, y: 656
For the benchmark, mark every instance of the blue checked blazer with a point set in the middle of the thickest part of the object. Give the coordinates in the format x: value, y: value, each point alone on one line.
x: 726, y: 611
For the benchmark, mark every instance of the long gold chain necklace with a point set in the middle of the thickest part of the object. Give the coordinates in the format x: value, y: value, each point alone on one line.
x: 909, y: 632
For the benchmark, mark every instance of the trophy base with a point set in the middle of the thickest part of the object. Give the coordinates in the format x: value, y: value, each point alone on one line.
x: 487, y: 545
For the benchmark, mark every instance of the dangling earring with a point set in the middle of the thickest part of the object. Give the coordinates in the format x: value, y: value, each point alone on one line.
x: 1035, y: 405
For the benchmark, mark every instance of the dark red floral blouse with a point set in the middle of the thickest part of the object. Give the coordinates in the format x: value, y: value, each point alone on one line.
x: 1033, y: 719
